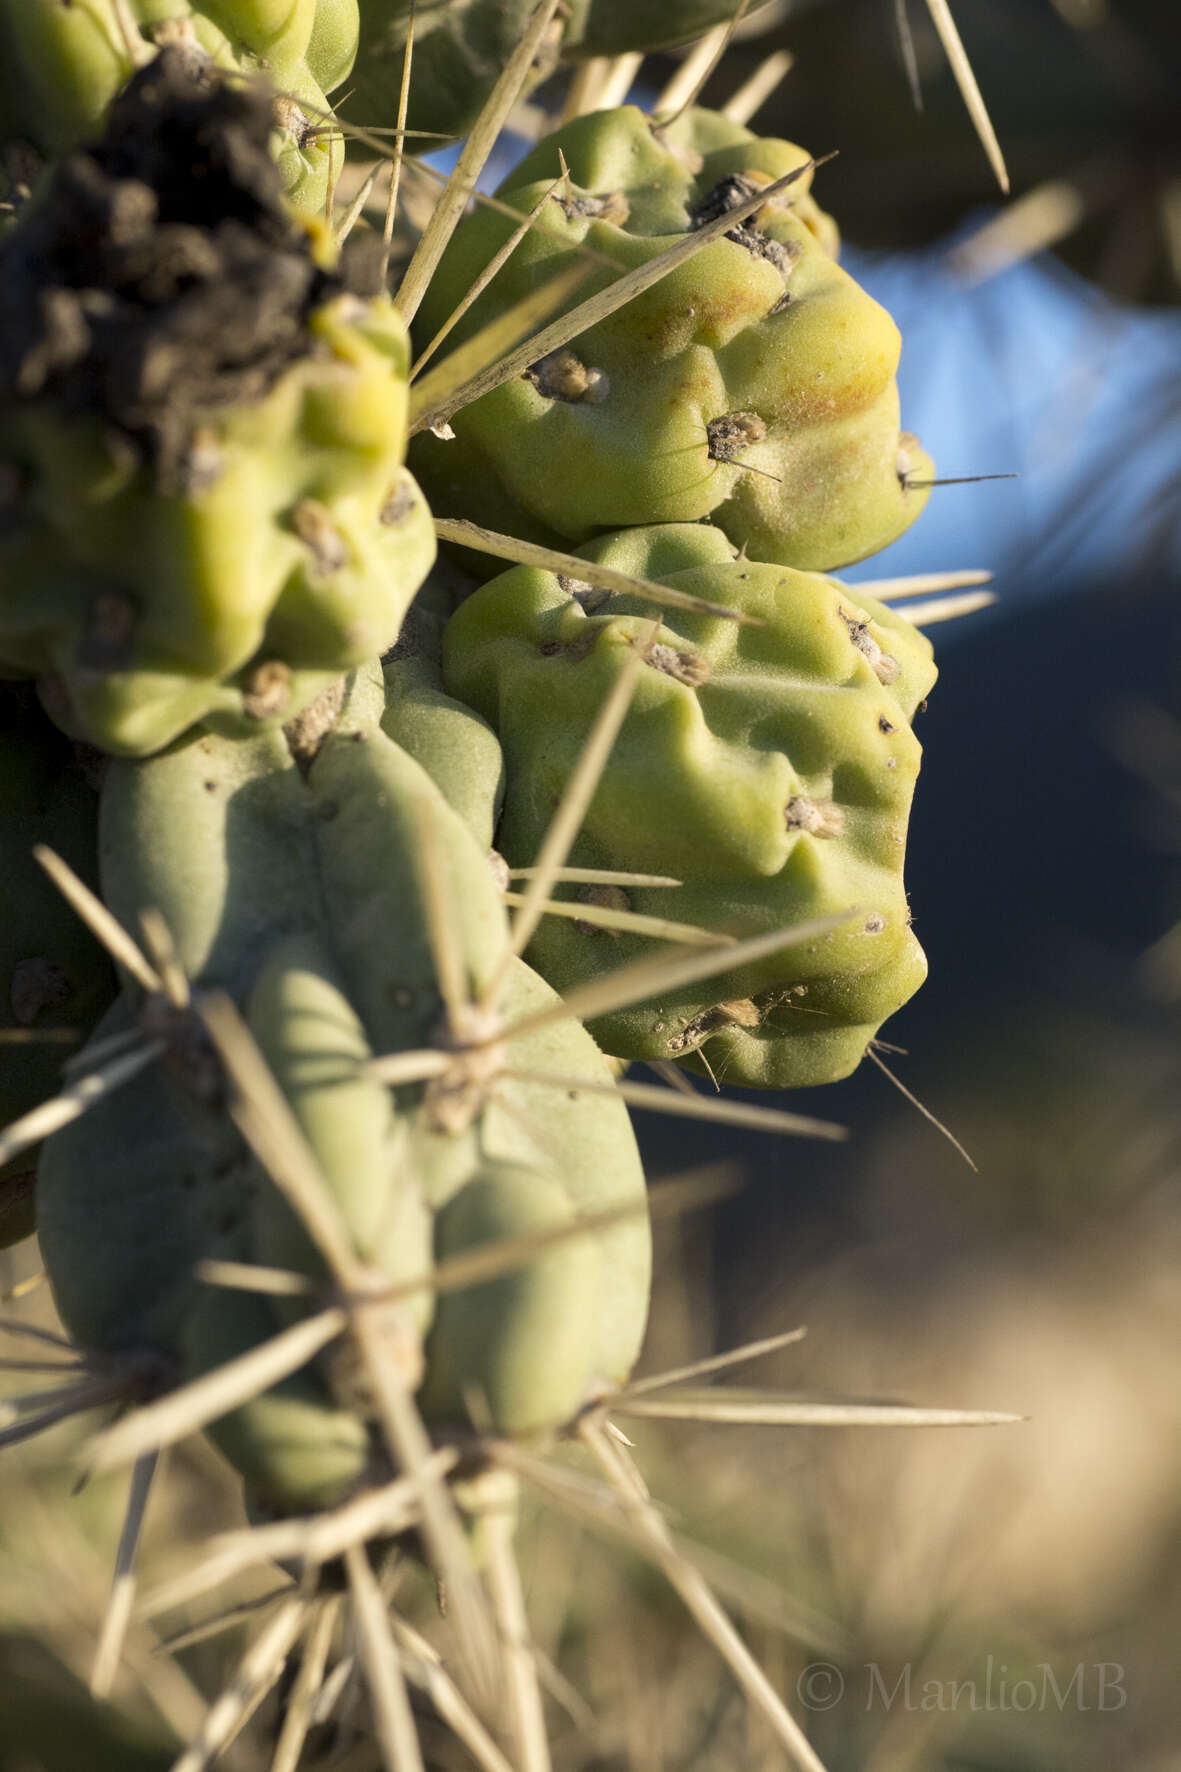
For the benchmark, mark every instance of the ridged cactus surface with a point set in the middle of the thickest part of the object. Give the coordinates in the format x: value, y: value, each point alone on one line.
x: 754, y: 385
x: 206, y: 512
x: 768, y: 767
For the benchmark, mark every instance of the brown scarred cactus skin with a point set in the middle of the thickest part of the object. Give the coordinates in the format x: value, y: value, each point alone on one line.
x: 63, y: 64
x: 205, y: 514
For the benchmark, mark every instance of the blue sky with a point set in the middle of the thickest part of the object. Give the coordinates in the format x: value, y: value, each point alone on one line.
x: 1038, y: 373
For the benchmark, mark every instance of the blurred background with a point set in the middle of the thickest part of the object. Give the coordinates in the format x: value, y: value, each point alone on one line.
x: 909, y: 1590
x: 1044, y: 879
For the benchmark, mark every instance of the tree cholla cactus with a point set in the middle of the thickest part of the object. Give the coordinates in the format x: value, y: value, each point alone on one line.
x: 345, y: 1175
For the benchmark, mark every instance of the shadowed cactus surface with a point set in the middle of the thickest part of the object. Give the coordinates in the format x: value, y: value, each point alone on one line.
x: 461, y: 46
x: 289, y: 872
x: 55, y: 979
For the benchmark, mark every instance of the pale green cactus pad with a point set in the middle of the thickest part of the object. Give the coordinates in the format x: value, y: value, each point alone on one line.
x: 754, y: 385
x: 62, y: 64
x: 304, y: 873
x: 769, y: 768
x: 457, y: 748
x: 486, y: 1348
x: 206, y: 516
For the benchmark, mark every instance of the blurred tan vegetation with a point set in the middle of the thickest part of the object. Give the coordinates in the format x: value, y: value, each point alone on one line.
x: 1054, y: 1289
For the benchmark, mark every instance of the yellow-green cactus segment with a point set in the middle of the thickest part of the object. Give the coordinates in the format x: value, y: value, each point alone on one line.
x: 62, y: 63
x: 332, y: 46
x: 769, y: 768
x: 288, y: 552
x: 279, y: 30
x: 754, y: 385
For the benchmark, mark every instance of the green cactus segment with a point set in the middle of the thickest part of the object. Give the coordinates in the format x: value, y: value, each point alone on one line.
x: 62, y: 64
x: 132, y: 1195
x: 308, y: 873
x: 377, y: 813
x: 241, y: 416
x: 54, y: 977
x: 586, y: 1141
x: 618, y: 27
x: 317, y: 1049
x: 212, y: 834
x: 156, y: 1178
x: 520, y: 1348
x: 769, y: 768
x: 295, y: 1447
x: 459, y: 750
x: 461, y: 46
x: 460, y: 49
x: 755, y: 385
